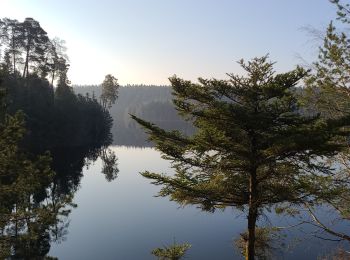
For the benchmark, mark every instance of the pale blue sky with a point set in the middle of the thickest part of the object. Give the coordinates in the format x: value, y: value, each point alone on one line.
x: 146, y: 41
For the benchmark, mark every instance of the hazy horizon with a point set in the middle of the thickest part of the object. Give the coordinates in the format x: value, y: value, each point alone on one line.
x: 146, y: 42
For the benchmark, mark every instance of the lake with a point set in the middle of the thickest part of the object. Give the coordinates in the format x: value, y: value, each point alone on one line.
x: 123, y: 219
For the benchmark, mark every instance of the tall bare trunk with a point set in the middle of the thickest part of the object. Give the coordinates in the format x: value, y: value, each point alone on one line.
x: 26, y: 69
x: 14, y: 53
x: 14, y: 63
x: 53, y: 77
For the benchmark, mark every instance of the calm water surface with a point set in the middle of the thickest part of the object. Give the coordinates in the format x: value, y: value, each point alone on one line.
x: 123, y: 220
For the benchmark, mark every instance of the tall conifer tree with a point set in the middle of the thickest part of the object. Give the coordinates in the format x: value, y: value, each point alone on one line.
x: 253, y: 149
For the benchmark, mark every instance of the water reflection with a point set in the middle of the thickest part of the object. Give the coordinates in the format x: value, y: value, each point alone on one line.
x: 39, y: 216
x: 123, y: 219
x: 128, y: 133
x: 110, y: 164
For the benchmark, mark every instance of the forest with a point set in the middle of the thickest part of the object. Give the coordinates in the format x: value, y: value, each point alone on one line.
x: 47, y: 135
x: 257, y: 143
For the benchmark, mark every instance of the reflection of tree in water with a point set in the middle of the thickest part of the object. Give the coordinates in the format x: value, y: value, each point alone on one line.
x: 40, y: 216
x: 31, y: 228
x: 36, y: 193
x: 110, y: 164
x: 269, y: 243
x: 30, y: 221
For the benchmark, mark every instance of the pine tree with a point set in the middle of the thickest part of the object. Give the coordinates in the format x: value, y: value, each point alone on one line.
x: 329, y: 92
x: 35, y: 43
x: 24, y: 222
x: 253, y: 149
x: 172, y: 252
x: 328, y: 85
x: 110, y: 89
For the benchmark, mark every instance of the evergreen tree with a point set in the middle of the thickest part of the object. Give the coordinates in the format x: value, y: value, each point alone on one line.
x: 253, y: 148
x: 172, y: 252
x: 35, y: 43
x: 35, y: 201
x: 330, y: 81
x: 329, y: 92
x: 12, y: 39
x: 58, y: 58
x: 110, y: 88
x: 24, y: 222
x: 27, y: 44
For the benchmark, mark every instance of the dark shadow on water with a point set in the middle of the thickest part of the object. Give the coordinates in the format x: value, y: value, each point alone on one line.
x: 46, y: 218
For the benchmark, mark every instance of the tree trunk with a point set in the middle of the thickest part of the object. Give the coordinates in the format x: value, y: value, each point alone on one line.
x: 53, y: 77
x: 16, y: 230
x: 14, y: 53
x: 14, y: 63
x: 252, y: 217
x: 24, y: 70
x: 26, y: 65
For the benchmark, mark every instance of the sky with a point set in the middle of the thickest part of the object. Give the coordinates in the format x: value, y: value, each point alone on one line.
x: 147, y: 41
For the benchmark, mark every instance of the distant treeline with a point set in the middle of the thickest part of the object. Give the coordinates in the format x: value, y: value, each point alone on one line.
x: 153, y: 103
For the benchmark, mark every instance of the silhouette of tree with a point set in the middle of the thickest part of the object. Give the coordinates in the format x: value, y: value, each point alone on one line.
x: 12, y: 38
x: 110, y: 89
x: 35, y: 43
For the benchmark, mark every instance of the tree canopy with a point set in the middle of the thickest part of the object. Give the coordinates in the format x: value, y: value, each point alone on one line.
x: 253, y: 149
x: 110, y: 89
x: 54, y: 116
x: 47, y: 135
x: 329, y: 95
x: 26, y: 48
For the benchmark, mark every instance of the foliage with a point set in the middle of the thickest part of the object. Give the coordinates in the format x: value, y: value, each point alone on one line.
x: 38, y: 121
x: 110, y: 89
x: 27, y: 223
x: 343, y: 10
x: 54, y: 116
x: 253, y: 148
x: 267, y: 242
x: 110, y: 164
x: 26, y: 45
x: 329, y: 92
x: 328, y: 86
x: 24, y: 222
x: 173, y: 252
